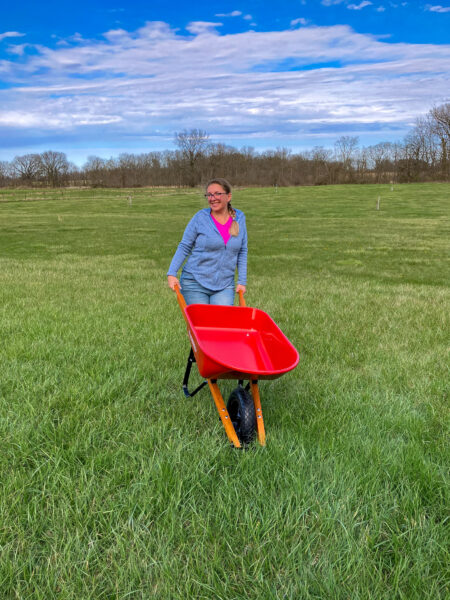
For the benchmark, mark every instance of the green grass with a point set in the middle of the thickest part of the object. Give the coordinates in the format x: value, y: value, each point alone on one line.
x: 114, y: 486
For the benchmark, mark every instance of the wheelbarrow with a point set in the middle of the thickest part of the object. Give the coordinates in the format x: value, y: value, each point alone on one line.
x: 236, y: 342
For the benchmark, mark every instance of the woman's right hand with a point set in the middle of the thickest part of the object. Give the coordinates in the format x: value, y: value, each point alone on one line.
x: 173, y: 281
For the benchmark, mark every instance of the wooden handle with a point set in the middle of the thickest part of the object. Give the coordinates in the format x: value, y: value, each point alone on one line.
x: 241, y: 298
x: 181, y: 300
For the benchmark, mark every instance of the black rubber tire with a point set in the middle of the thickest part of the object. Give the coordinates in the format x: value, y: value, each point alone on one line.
x: 242, y: 414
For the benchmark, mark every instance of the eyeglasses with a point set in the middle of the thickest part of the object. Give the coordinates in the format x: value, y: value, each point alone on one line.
x: 216, y: 195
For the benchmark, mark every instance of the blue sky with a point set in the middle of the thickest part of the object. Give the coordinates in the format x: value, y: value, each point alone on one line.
x: 102, y: 78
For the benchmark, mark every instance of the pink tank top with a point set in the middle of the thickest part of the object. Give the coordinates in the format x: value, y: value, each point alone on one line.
x: 223, y: 229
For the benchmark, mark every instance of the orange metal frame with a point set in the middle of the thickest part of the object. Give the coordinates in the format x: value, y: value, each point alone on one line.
x: 218, y: 399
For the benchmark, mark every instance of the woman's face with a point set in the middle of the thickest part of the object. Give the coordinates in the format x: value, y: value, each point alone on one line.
x: 217, y: 198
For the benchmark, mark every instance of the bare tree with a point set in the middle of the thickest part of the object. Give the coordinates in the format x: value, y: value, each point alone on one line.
x: 441, y: 117
x: 440, y: 123
x: 74, y: 175
x: 320, y: 158
x: 95, y: 170
x: 345, y: 148
x: 427, y: 147
x: 192, y: 145
x: 27, y: 167
x: 5, y: 172
x: 54, y: 166
x: 362, y: 165
x: 380, y: 160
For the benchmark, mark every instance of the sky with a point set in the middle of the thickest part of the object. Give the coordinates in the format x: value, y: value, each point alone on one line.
x: 107, y: 77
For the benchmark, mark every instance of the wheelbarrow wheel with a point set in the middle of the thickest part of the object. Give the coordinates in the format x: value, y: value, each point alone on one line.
x: 242, y: 414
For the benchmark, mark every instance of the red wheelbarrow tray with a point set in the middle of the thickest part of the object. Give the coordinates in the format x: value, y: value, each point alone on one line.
x: 232, y: 342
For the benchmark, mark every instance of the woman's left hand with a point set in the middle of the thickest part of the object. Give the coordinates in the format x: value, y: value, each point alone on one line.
x: 240, y: 288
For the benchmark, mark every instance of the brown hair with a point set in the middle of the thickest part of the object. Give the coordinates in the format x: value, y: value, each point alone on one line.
x: 234, y: 229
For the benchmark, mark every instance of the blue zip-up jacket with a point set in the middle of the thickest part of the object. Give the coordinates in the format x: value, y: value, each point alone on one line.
x: 209, y: 260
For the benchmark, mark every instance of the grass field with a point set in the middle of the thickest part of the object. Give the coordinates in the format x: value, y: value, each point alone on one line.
x: 114, y: 486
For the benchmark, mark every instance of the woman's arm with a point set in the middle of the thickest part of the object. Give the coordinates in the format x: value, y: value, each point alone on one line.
x: 182, y: 252
x: 242, y: 257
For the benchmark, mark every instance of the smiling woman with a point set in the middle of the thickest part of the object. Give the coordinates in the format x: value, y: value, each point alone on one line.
x: 215, y: 244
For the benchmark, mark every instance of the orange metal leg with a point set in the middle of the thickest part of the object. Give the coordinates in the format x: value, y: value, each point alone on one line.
x: 225, y: 417
x: 258, y: 410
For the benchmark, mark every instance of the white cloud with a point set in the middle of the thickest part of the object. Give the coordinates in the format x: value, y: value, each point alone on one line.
x: 359, y: 6
x: 300, y: 21
x: 381, y: 9
x: 156, y: 78
x: 18, y: 49
x: 10, y: 34
x: 21, y: 119
x: 234, y: 13
x: 199, y: 27
x: 437, y: 8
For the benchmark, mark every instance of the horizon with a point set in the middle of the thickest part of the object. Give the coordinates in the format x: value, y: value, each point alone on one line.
x: 257, y: 151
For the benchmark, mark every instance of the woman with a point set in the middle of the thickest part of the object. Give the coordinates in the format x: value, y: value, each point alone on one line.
x: 215, y: 244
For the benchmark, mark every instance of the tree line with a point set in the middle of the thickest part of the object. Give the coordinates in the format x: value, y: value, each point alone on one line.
x: 423, y: 155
